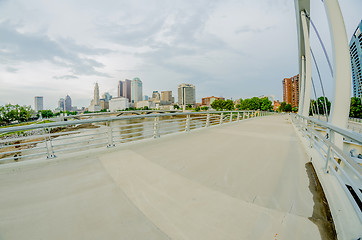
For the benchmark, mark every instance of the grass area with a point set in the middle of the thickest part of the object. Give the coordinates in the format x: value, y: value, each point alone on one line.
x: 26, y: 123
x: 22, y: 124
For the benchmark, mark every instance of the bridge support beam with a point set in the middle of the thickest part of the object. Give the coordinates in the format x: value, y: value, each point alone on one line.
x: 301, y: 86
x: 307, y: 67
x: 341, y: 67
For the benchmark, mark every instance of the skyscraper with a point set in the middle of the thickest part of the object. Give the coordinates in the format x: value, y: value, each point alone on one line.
x: 126, y: 85
x: 186, y: 94
x: 156, y: 95
x: 120, y: 89
x: 166, y: 96
x: 68, y: 103
x: 61, y: 104
x: 95, y: 105
x: 38, y: 103
x: 136, y: 90
x: 355, y: 50
x: 291, y: 90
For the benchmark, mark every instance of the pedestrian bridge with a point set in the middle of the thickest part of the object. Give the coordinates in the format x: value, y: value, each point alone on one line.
x: 249, y: 179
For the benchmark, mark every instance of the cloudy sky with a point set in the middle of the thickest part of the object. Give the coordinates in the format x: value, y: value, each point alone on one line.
x: 229, y: 48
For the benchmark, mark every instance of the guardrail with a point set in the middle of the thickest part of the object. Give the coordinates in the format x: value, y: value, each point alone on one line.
x: 345, y: 167
x: 51, y: 139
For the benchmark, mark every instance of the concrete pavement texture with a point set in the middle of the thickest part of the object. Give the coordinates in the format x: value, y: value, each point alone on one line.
x: 244, y: 180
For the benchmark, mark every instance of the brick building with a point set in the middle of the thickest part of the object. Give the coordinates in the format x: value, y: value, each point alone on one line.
x: 291, y: 90
x: 208, y: 100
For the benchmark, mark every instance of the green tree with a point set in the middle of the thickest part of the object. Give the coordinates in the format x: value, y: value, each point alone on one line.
x: 176, y: 106
x: 228, y: 105
x: 321, y: 105
x: 288, y: 107
x: 265, y: 104
x: 10, y: 113
x: 197, y: 109
x: 217, y: 104
x: 204, y: 108
x: 46, y: 113
x: 254, y: 103
x: 245, y: 104
x: 282, y: 107
x: 355, y: 108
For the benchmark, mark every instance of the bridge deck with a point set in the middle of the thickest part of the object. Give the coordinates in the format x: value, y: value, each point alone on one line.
x: 245, y: 180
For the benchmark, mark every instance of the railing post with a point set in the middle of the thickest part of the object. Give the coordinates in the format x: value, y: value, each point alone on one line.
x: 187, y: 123
x: 221, y: 118
x: 156, y: 133
x: 231, y: 116
x: 330, y: 137
x: 110, y: 135
x: 48, y: 144
x: 238, y: 119
x: 243, y: 115
x: 208, y: 120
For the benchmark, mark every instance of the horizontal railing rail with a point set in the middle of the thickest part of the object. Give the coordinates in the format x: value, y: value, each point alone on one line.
x: 47, y: 140
x: 343, y: 165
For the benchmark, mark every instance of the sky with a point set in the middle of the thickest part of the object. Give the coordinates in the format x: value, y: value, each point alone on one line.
x: 230, y: 48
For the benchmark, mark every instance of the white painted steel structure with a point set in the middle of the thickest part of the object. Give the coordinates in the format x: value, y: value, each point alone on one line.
x: 329, y: 143
x: 50, y: 139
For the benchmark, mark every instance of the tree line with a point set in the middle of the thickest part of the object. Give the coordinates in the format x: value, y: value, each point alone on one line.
x: 10, y: 113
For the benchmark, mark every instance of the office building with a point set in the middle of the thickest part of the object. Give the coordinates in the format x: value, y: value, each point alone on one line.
x: 186, y: 94
x: 68, y: 103
x: 95, y: 105
x: 355, y: 50
x: 120, y: 89
x: 166, y: 96
x: 208, y: 100
x: 38, y: 103
x: 136, y: 90
x: 291, y: 90
x: 126, y: 86
x: 119, y: 103
x: 61, y: 105
x: 156, y: 95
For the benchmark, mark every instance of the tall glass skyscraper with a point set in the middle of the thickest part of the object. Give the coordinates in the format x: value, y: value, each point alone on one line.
x: 355, y: 50
x: 136, y: 90
x: 38, y: 103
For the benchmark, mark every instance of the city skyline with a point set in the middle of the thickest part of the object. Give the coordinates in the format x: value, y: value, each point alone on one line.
x: 225, y: 48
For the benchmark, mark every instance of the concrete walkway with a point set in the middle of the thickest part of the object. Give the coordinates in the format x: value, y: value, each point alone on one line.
x: 243, y: 180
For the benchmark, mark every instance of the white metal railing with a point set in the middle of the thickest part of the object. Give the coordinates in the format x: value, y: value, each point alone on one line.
x: 345, y: 167
x: 51, y: 139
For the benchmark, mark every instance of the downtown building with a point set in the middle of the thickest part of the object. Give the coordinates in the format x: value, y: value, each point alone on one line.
x: 355, y: 50
x: 124, y: 89
x: 68, y: 104
x: 186, y: 94
x: 208, y: 100
x: 136, y: 90
x: 38, y: 103
x: 166, y: 97
x: 291, y: 90
x: 95, y: 105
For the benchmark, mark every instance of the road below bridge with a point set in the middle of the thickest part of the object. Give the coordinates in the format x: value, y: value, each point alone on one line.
x: 245, y: 180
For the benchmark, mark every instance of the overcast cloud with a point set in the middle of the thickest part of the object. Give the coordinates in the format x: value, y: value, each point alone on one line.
x: 229, y: 48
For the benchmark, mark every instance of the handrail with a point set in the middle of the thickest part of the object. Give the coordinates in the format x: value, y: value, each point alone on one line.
x: 347, y: 133
x: 343, y: 166
x: 112, y: 128
x: 97, y: 120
